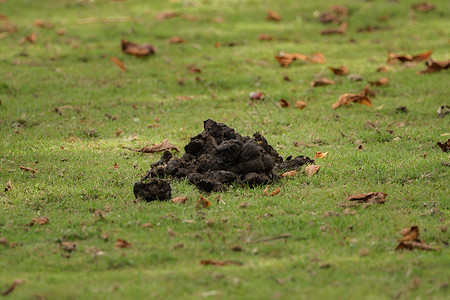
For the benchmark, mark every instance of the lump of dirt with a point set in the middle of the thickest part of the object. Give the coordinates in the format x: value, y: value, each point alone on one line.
x: 152, y: 189
x: 218, y: 157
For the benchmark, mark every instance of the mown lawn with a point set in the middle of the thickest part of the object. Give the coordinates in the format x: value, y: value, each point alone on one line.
x: 67, y: 110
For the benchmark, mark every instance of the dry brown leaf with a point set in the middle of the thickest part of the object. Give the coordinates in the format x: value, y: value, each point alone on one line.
x: 8, y: 186
x: 256, y: 96
x: 368, y: 198
x: 177, y: 40
x: 179, y: 200
x: 4, y: 242
x: 301, y: 104
x: 68, y: 246
x: 193, y: 69
x: 423, y: 7
x: 146, y: 225
x: 328, y: 17
x: 408, y: 58
x: 435, y: 66
x: 61, y: 31
x: 285, y: 59
x: 289, y: 174
x: 322, y: 82
x: 342, y: 70
x: 42, y: 24
x: 118, y: 132
x: 284, y: 103
x: 317, y: 58
x: 339, y: 9
x: 118, y: 63
x: 166, y: 15
x: 203, y: 202
x: 121, y: 243
x: 137, y: 50
x: 320, y: 154
x: 211, y: 262
x: 183, y: 98
x: 115, y: 166
x: 383, y: 69
x: 348, y: 98
x: 410, y: 240
x: 9, y: 290
x: 275, y: 192
x: 310, y: 170
x: 273, y: 16
x: 40, y: 221
x: 444, y: 146
x: 29, y: 39
x: 286, y: 78
x: 165, y: 145
x: 265, y: 37
x: 380, y: 82
x: 342, y: 30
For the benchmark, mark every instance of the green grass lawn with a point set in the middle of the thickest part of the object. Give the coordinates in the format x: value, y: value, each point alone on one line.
x: 63, y: 101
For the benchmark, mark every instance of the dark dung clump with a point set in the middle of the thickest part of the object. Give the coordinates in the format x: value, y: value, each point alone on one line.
x: 218, y: 157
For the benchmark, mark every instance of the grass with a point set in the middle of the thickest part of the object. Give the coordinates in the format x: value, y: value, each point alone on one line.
x: 331, y: 253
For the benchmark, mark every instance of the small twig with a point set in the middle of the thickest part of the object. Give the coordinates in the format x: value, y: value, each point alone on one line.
x: 281, y: 236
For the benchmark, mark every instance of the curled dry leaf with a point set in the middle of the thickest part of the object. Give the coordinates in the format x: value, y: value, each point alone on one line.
x: 410, y: 240
x: 339, y: 9
x: 211, y: 262
x: 310, y: 170
x: 256, y: 96
x: 179, y: 200
x: 423, y: 7
x: 289, y: 174
x: 368, y: 198
x: 203, y: 202
x: 392, y: 57
x: 317, y: 58
x: 9, y: 290
x: 328, y: 17
x: 380, y: 82
x: 320, y: 154
x: 342, y: 30
x: 165, y: 145
x: 342, y: 70
x: 444, y: 146
x: 301, y: 104
x: 383, y: 69
x: 118, y: 63
x: 193, y: 69
x: 137, y: 50
x: 361, y: 98
x: 273, y: 16
x: 29, y: 39
x: 115, y: 166
x: 177, y: 40
x: 39, y: 221
x: 435, y: 66
x: 275, y: 192
x: 285, y: 59
x: 284, y: 103
x: 322, y: 82
x: 68, y: 246
x: 121, y: 243
x: 166, y: 15
x: 265, y: 37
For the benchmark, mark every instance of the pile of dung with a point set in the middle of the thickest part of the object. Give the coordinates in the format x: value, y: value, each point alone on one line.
x: 216, y: 158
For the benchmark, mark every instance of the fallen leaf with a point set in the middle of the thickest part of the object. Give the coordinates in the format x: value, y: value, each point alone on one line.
x: 285, y: 59
x: 118, y: 63
x: 42, y: 24
x: 348, y: 98
x: 301, y: 104
x: 289, y: 174
x: 29, y: 39
x: 320, y: 154
x: 40, y: 221
x: 339, y: 9
x: 275, y: 192
x: 256, y: 96
x: 310, y: 170
x: 284, y: 103
x: 322, y: 82
x: 435, y: 66
x: 203, y: 202
x: 61, y: 31
x: 9, y: 290
x: 137, y: 50
x: 179, y: 200
x: 165, y: 145
x: 116, y: 166
x: 368, y: 198
x: 166, y: 15
x: 176, y: 40
x: 210, y: 262
x: 4, y: 241
x: 121, y: 243
x: 183, y: 98
x: 342, y: 29
x: 444, y: 146
x: 273, y: 16
x: 68, y: 246
x: 286, y: 78
x: 423, y: 7
x: 4, y: 17
x: 329, y: 17
x: 383, y: 69
x: 380, y: 82
x: 193, y: 69
x: 317, y: 58
x: 342, y: 70
x: 118, y: 132
x: 410, y: 240
x: 8, y: 186
x: 146, y: 225
x: 236, y: 248
x: 408, y: 58
x: 265, y: 37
